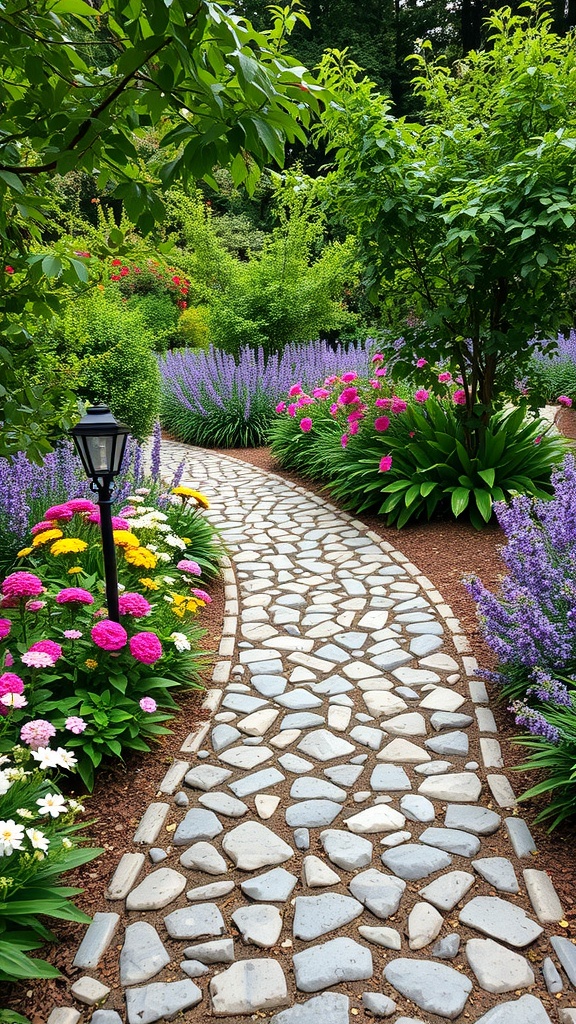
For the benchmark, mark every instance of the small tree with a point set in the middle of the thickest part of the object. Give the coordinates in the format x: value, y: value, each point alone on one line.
x: 468, y: 217
x: 82, y: 87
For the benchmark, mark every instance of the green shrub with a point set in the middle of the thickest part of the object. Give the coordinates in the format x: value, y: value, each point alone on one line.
x: 193, y: 328
x: 548, y: 378
x: 160, y: 317
x: 416, y: 460
x: 127, y: 379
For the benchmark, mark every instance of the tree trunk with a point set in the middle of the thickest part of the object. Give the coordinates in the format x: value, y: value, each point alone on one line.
x: 471, y: 12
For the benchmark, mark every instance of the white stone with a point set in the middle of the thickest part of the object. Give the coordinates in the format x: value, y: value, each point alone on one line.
x: 266, y: 805
x: 248, y: 986
x: 204, y: 857
x: 462, y: 787
x: 324, y: 746
x: 252, y: 845
x: 498, y: 969
x: 389, y: 938
x: 286, y: 738
x: 424, y: 925
x: 339, y: 718
x: 404, y: 752
x: 259, y: 925
x: 259, y: 722
x: 382, y: 702
x: 442, y: 699
x: 410, y: 724
x: 316, y: 874
x: 380, y: 818
x: 246, y: 757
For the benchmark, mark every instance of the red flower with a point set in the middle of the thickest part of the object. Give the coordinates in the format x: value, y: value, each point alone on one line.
x: 182, y: 304
x: 114, y: 277
x: 83, y: 253
x: 116, y: 263
x: 9, y: 270
x: 124, y: 271
x: 176, y: 280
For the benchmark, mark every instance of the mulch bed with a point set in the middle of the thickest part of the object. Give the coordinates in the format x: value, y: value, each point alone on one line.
x: 444, y: 551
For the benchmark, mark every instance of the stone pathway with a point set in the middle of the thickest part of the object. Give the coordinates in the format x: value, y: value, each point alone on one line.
x: 323, y: 847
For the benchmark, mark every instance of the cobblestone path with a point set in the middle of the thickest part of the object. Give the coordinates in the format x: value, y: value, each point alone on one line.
x: 322, y: 848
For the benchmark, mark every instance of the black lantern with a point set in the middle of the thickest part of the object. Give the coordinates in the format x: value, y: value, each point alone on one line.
x: 101, y: 442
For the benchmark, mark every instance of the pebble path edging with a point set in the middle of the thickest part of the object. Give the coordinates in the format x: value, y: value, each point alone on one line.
x: 352, y: 684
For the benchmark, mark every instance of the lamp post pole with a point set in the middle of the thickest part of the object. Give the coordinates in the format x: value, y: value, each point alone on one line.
x: 108, y: 550
x: 101, y: 441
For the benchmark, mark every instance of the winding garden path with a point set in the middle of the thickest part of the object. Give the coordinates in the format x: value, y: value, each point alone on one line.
x: 339, y: 842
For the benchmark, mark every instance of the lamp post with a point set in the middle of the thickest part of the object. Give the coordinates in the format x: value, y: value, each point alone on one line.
x: 101, y: 441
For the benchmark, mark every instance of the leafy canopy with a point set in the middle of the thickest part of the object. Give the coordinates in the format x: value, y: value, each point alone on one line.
x: 466, y: 219
x: 83, y: 88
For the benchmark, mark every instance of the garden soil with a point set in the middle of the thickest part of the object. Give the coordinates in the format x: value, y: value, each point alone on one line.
x: 445, y: 552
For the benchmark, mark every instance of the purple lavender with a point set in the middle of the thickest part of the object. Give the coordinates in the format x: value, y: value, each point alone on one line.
x: 535, y: 722
x: 179, y: 474
x: 549, y: 690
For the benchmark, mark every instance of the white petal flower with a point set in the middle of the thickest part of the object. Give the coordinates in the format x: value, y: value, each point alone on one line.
x: 5, y: 783
x: 46, y: 756
x: 13, y: 700
x: 181, y: 642
x: 64, y: 759
x: 53, y: 804
x: 23, y: 812
x: 38, y: 839
x: 175, y: 542
x: 11, y: 836
x: 163, y: 556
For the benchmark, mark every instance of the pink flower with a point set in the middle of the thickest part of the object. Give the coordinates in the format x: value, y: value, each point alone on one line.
x: 48, y: 647
x: 331, y: 380
x: 381, y: 371
x: 11, y: 683
x: 37, y: 734
x: 344, y: 440
x: 321, y: 393
x: 127, y: 511
x: 333, y: 409
x: 348, y: 396
x: 306, y: 424
x: 187, y: 565
x: 145, y: 647
x: 281, y: 407
x: 383, y: 403
x: 398, y: 405
x: 377, y: 358
x: 108, y: 635
x: 74, y: 595
x: 72, y: 634
x: 37, y: 659
x: 5, y: 626
x: 134, y: 604
x: 296, y: 389
x: 46, y: 524
x: 80, y: 505
x: 8, y: 660
x: 35, y: 606
x: 375, y: 384
x: 12, y: 700
x: 353, y: 428
x: 381, y: 423
x: 444, y: 377
x: 61, y: 513
x: 564, y: 400
x: 202, y: 595
x: 385, y: 464
x: 75, y: 724
x: 421, y: 362
x: 421, y: 395
x: 292, y: 409
x: 22, y: 584
x: 537, y: 439
x: 304, y: 400
x: 347, y: 378
x: 459, y: 397
x: 148, y: 704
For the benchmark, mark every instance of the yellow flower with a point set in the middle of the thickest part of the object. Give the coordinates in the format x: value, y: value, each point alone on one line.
x: 189, y: 492
x: 90, y: 663
x: 125, y: 539
x: 45, y: 536
x: 140, y: 557
x: 75, y: 569
x: 23, y: 552
x: 149, y: 584
x: 68, y: 546
x: 186, y: 540
x: 182, y: 604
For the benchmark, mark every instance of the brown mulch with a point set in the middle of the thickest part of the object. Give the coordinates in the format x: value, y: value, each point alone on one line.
x: 444, y: 551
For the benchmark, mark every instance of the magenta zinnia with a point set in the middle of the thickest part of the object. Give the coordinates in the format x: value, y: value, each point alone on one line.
x: 385, y: 464
x: 145, y: 647
x: 108, y: 635
x: 306, y: 424
x: 22, y: 584
x: 187, y: 565
x: 59, y: 512
x: 74, y: 595
x: 10, y: 683
x: 5, y: 626
x: 381, y: 423
x: 134, y: 604
x: 48, y: 647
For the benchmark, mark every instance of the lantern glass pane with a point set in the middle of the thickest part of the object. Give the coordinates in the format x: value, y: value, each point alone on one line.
x: 100, y: 454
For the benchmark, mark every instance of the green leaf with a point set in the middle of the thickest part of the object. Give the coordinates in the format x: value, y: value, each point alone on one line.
x: 484, y: 503
x: 459, y: 501
x: 488, y: 476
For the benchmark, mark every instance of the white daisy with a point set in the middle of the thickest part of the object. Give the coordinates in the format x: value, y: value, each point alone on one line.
x: 53, y: 804
x: 11, y: 836
x: 38, y: 839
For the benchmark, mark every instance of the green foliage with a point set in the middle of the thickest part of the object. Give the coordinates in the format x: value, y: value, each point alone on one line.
x: 431, y: 470
x: 30, y: 870
x: 546, y: 379
x: 193, y: 328
x: 110, y: 91
x: 467, y: 217
x: 160, y: 318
